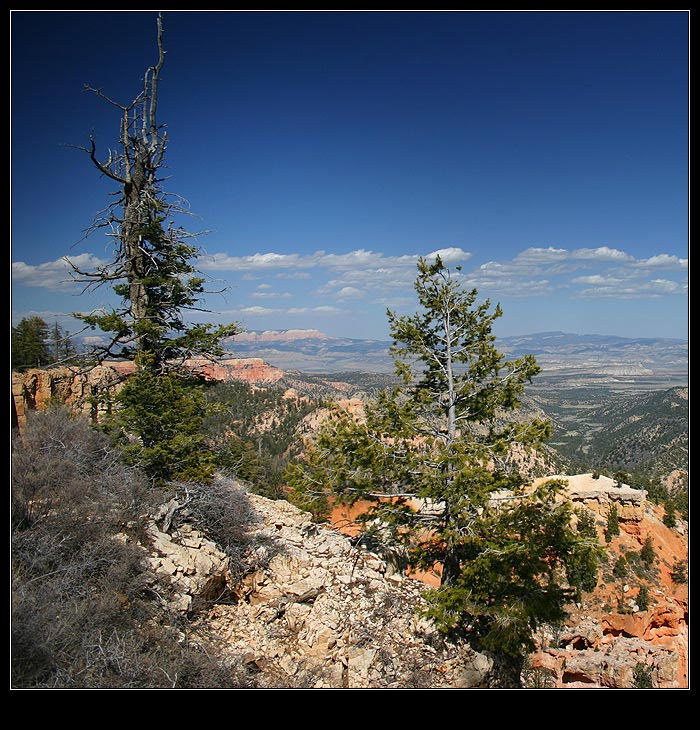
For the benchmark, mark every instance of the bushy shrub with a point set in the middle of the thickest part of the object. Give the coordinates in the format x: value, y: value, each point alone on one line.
x: 642, y: 676
x: 86, y: 610
x: 679, y: 572
x: 223, y: 512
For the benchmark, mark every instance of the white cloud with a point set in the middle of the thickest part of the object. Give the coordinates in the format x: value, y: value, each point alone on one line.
x: 511, y: 285
x: 349, y: 292
x: 663, y: 261
x: 55, y: 275
x: 353, y: 260
x: 254, y: 311
x: 542, y: 255
x: 394, y: 301
x: 293, y: 275
x: 271, y: 295
x: 257, y: 311
x: 633, y: 289
x: 254, y: 262
x: 664, y: 286
x: 323, y: 309
x: 597, y: 280
x: 449, y: 255
x: 602, y: 253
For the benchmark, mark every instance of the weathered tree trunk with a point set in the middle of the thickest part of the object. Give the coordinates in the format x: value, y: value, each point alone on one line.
x: 450, y: 569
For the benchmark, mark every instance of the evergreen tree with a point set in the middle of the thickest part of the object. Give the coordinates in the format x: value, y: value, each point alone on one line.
x: 647, y: 553
x: 165, y: 412
x: 153, y: 275
x: 430, y: 457
x: 582, y: 566
x: 621, y: 477
x: 669, y: 513
x: 30, y: 347
x: 61, y: 345
x: 621, y: 567
x: 679, y: 572
x: 643, y: 598
x: 613, y: 527
x: 152, y: 271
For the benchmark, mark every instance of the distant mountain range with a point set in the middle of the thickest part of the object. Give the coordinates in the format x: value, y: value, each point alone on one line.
x: 312, y: 351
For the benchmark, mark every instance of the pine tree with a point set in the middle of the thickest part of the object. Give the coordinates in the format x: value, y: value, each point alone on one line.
x: 582, y: 565
x: 29, y: 345
x: 643, y: 598
x: 647, y: 553
x: 621, y: 567
x: 152, y: 271
x: 679, y: 572
x: 166, y: 412
x: 431, y: 459
x: 154, y: 276
x: 669, y: 513
x: 62, y: 347
x: 613, y: 527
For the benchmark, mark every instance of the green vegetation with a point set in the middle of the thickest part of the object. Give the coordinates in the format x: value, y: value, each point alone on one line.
x: 669, y: 513
x: 613, y: 527
x: 621, y: 567
x: 641, y: 438
x: 679, y: 573
x: 437, y: 434
x: 253, y: 432
x: 36, y: 345
x: 642, y: 676
x: 160, y: 410
x: 30, y: 344
x: 647, y: 553
x: 165, y: 413
x: 431, y: 440
x: 582, y: 565
x: 643, y: 598
x: 152, y: 269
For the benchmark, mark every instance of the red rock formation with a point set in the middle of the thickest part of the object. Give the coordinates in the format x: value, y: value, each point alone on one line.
x: 250, y: 369
x: 78, y: 388
x: 598, y: 646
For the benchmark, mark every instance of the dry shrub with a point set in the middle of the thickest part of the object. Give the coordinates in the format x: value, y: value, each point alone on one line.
x: 85, y: 606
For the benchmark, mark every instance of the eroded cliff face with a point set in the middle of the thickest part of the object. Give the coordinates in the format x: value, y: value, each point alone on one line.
x: 608, y: 634
x: 91, y: 391
x: 86, y: 391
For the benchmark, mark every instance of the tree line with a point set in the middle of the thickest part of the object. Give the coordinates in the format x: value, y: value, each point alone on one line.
x: 36, y: 344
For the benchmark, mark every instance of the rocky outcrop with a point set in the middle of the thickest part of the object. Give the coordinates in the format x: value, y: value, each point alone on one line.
x: 325, y: 613
x: 91, y: 391
x: 85, y: 391
x: 194, y: 566
x: 608, y: 635
x: 599, y: 493
x: 250, y: 369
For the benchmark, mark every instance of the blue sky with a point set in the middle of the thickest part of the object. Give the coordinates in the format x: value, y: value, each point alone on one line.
x: 322, y: 153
